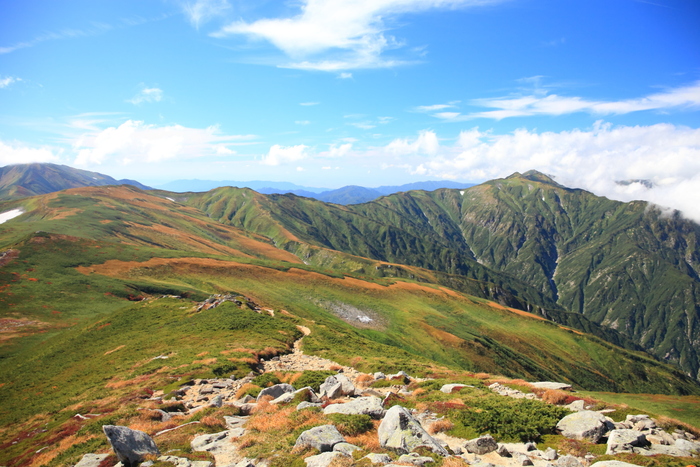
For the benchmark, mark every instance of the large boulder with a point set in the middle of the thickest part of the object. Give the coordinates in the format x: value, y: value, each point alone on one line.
x: 568, y: 461
x: 288, y: 397
x: 371, y: 406
x: 481, y: 445
x: 450, y: 388
x: 624, y: 441
x: 323, y: 438
x: 552, y: 385
x: 130, y: 446
x: 91, y: 460
x: 337, y: 386
x: 402, y: 433
x: 276, y: 390
x: 586, y: 424
x: 324, y: 459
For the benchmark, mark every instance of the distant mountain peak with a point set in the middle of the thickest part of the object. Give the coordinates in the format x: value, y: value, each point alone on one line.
x: 535, y: 176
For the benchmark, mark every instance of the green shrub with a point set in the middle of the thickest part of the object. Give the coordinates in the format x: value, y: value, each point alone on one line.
x: 313, y: 379
x: 266, y: 380
x: 224, y: 370
x: 384, y: 383
x: 351, y: 425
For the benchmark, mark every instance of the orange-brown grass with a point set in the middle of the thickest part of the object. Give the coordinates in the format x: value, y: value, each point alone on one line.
x: 119, y: 384
x: 238, y: 350
x: 454, y: 462
x: 364, y: 380
x: 269, y: 419
x: 335, y: 367
x: 439, y: 426
x: 48, y: 455
x: 482, y: 376
x: 555, y: 396
x: 205, y: 361
x: 367, y: 440
x: 241, y: 392
x: 202, y: 354
x: 214, y: 422
x: 267, y: 353
x: 419, y: 391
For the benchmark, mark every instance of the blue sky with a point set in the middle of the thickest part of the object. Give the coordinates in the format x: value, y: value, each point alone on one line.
x: 369, y: 92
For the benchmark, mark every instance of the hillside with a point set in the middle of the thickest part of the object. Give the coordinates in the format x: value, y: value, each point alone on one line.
x: 625, y: 266
x: 21, y: 180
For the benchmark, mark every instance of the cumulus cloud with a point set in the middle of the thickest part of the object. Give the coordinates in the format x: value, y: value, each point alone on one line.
x: 542, y: 103
x: 18, y: 153
x: 594, y: 159
x: 426, y: 143
x: 201, y: 11
x: 147, y: 95
x: 135, y: 141
x: 338, y: 150
x: 5, y: 82
x: 354, y: 31
x: 284, y: 154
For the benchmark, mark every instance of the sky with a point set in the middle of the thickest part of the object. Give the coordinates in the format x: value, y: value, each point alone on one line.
x: 328, y: 93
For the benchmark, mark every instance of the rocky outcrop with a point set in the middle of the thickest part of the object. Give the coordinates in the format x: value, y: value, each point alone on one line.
x: 324, y: 459
x: 481, y: 445
x: 402, y: 433
x: 91, y: 460
x: 323, y: 438
x: 130, y: 446
x: 552, y: 385
x: 625, y: 441
x: 586, y: 424
x: 450, y: 388
x: 337, y: 386
x: 371, y: 406
x: 276, y: 391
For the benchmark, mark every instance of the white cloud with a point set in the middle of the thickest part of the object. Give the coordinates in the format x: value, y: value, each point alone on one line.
x: 345, y: 75
x: 433, y: 108
x: 302, y: 122
x: 283, y: 154
x: 354, y: 31
x: 68, y: 33
x: 5, y: 82
x: 135, y: 141
x: 594, y: 159
x: 201, y: 11
x: 338, y: 151
x: 18, y: 153
x: 543, y: 104
x: 426, y: 143
x: 147, y: 95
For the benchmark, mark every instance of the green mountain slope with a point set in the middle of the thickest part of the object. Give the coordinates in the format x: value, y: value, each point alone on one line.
x: 625, y: 266
x: 21, y: 180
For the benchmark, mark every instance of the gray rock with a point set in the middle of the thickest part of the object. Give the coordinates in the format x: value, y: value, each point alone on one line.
x: 378, y: 458
x: 530, y: 446
x: 379, y: 375
x: 130, y: 446
x: 481, y: 445
x: 306, y: 405
x: 217, y: 401
x: 245, y: 463
x: 576, y: 406
x: 550, y: 454
x: 276, y: 390
x: 346, y: 448
x: 322, y: 460
x: 503, y: 451
x: 450, y: 388
x: 183, y: 462
x: 522, y: 459
x: 206, y: 389
x: 416, y: 460
x: 91, y: 460
x: 402, y: 433
x: 233, y: 421
x: 552, y: 385
x: 624, y: 441
x: 336, y: 386
x: 371, y: 406
x: 583, y: 425
x: 289, y: 396
x: 568, y: 461
x: 614, y: 464
x: 246, y: 399
x: 210, y: 442
x: 322, y: 438
x: 686, y: 445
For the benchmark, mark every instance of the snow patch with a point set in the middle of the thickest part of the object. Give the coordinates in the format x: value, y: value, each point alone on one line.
x: 461, y: 192
x: 6, y: 216
x: 170, y: 199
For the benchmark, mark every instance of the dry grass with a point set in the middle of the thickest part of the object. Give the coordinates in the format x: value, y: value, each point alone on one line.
x: 439, y: 426
x: 205, y: 361
x: 368, y: 440
x: 119, y: 384
x: 246, y: 387
x: 214, y: 422
x: 454, y: 462
x: 555, y: 396
x: 335, y: 367
x: 419, y: 391
x: 482, y: 376
x: 47, y: 456
x: 364, y: 380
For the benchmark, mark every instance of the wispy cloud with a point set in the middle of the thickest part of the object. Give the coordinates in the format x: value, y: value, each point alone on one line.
x: 302, y: 122
x: 200, y: 11
x: 7, y: 81
x: 68, y: 33
x: 435, y: 107
x: 337, y: 35
x: 147, y: 95
x: 135, y: 141
x: 345, y: 75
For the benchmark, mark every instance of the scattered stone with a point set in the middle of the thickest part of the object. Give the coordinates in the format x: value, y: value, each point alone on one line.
x: 276, y: 390
x: 416, y: 459
x: 379, y: 375
x: 183, y: 462
x: 306, y: 405
x: 690, y: 446
x: 210, y: 442
x: 450, y: 388
x: 245, y: 463
x: 583, y: 425
x: 552, y: 385
x: 233, y: 421
x: 378, y: 458
x: 550, y: 454
x: 503, y: 451
x: 568, y: 461
x: 322, y: 438
x: 130, y: 446
x: 402, y: 433
x: 346, y: 448
x: 323, y: 460
x: 576, y: 406
x: 624, y: 441
x: 371, y: 406
x: 530, y: 446
x: 481, y: 445
x: 247, y: 399
x: 217, y: 401
x: 91, y: 460
x: 337, y: 386
x: 522, y: 459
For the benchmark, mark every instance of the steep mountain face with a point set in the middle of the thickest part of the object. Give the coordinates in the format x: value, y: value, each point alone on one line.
x: 18, y: 181
x: 625, y: 266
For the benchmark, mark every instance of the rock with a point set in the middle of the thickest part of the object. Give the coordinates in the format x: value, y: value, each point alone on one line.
x: 346, y: 448
x: 624, y: 440
x: 503, y: 451
x: 416, y: 460
x: 450, y: 388
x: 402, y: 433
x: 686, y: 445
x: 552, y: 385
x: 322, y: 460
x: 336, y: 386
x: 530, y: 446
x: 522, y: 459
x: 614, y: 464
x: 371, y: 406
x: 183, y: 462
x: 245, y: 409
x: 247, y: 399
x: 91, y: 460
x: 583, y: 425
x: 233, y: 421
x: 206, y: 389
x: 130, y: 446
x: 576, y: 406
x: 306, y: 405
x: 245, y: 463
x: 322, y: 438
x: 289, y: 396
x: 481, y: 445
x: 378, y: 458
x: 568, y: 461
x: 217, y: 401
x: 276, y: 390
x: 210, y: 442
x: 550, y: 454
x: 379, y: 375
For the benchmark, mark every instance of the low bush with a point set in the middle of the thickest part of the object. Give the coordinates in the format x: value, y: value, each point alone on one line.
x: 351, y: 425
x: 266, y: 380
x: 313, y: 379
